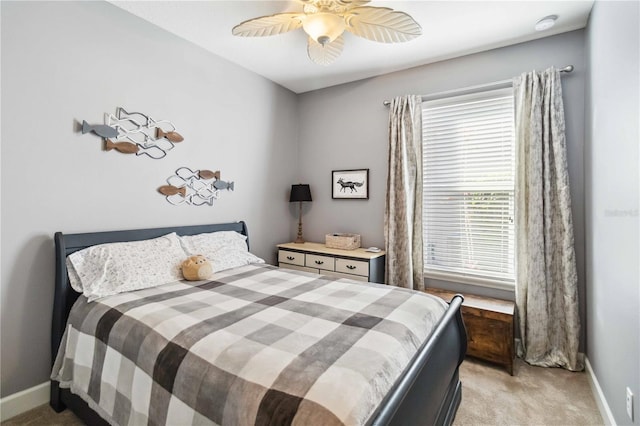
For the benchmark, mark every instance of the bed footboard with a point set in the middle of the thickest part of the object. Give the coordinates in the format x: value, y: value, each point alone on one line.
x: 429, y: 391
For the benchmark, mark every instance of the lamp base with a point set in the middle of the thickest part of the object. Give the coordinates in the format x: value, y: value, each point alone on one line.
x: 300, y: 240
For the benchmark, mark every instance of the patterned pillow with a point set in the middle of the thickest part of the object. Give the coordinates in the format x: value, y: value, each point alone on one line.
x: 231, y: 258
x: 113, y: 268
x: 212, y: 242
x: 224, y: 249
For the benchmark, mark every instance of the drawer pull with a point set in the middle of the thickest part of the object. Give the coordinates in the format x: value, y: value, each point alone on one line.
x: 319, y: 262
x: 351, y: 267
x: 290, y: 257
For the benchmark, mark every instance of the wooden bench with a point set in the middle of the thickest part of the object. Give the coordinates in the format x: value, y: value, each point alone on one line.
x: 489, y: 323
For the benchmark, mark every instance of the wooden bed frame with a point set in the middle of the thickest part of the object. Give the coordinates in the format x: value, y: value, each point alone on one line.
x: 428, y: 392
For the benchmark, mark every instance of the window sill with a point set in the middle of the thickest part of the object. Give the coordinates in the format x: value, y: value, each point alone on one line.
x: 465, y: 279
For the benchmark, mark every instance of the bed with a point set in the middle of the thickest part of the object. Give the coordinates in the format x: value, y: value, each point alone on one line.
x: 426, y: 391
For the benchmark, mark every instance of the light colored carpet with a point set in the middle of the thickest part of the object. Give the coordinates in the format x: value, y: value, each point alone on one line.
x: 490, y: 396
x: 533, y: 396
x: 44, y: 416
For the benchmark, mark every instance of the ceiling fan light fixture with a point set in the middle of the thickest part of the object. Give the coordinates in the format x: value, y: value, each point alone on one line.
x: 323, y: 27
x: 324, y: 21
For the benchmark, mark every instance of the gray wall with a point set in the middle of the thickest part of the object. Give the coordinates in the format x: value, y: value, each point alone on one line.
x: 612, y: 188
x: 66, y: 61
x: 345, y: 127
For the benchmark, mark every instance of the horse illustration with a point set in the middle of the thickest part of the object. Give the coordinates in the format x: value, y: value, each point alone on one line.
x: 351, y: 185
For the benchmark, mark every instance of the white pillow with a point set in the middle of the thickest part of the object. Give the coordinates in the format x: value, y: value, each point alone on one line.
x: 212, y: 242
x: 224, y: 249
x: 113, y: 268
x: 231, y: 258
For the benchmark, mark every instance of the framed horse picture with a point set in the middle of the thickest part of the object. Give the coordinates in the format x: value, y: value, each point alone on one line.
x: 350, y: 184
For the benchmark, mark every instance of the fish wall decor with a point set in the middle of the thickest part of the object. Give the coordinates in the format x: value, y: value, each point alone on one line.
x: 101, y: 130
x: 198, y: 188
x: 135, y: 133
x: 124, y: 147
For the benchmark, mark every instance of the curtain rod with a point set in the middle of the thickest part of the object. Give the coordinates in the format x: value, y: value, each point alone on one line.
x: 495, y: 84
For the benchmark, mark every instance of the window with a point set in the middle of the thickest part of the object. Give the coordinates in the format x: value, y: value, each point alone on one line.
x: 468, y: 183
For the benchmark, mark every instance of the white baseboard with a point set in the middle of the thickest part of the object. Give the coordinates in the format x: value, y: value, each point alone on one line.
x: 605, y: 411
x: 23, y: 401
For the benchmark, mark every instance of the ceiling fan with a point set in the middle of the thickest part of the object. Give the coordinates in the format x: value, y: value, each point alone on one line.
x: 325, y: 20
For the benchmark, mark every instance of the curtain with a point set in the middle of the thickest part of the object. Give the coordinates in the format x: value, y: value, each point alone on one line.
x: 403, y: 207
x: 546, y: 289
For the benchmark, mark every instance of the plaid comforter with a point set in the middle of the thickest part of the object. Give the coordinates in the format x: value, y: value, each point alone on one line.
x: 256, y: 345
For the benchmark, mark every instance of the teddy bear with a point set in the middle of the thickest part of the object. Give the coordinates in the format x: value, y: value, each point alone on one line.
x: 196, y: 268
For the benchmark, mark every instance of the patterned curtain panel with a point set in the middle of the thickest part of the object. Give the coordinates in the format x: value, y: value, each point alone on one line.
x: 403, y: 208
x: 546, y: 289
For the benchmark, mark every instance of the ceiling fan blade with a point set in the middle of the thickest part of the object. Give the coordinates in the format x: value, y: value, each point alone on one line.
x: 268, y: 25
x: 327, y: 54
x: 343, y: 3
x: 382, y: 24
x: 352, y: 3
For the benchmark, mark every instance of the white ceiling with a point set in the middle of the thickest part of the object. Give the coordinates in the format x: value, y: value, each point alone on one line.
x: 450, y: 29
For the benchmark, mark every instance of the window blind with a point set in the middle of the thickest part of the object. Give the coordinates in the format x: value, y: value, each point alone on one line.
x: 468, y: 178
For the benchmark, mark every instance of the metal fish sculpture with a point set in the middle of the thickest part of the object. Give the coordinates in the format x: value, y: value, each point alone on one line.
x: 172, y: 190
x: 220, y: 184
x: 101, y: 130
x: 186, y: 173
x: 172, y: 136
x: 208, y: 174
x: 137, y: 118
x: 123, y: 147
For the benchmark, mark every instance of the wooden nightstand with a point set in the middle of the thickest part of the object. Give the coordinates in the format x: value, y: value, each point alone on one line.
x: 489, y: 324
x: 355, y: 264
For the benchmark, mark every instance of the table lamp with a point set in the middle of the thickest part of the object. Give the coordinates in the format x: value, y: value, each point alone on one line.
x: 300, y: 193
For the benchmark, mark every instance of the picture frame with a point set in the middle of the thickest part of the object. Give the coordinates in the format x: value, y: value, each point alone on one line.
x: 350, y: 184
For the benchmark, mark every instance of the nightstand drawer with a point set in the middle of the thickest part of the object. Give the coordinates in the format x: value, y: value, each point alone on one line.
x: 320, y: 262
x: 357, y: 264
x: 355, y: 267
x: 291, y: 257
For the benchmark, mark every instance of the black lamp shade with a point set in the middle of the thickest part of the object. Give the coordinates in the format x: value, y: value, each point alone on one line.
x: 300, y: 192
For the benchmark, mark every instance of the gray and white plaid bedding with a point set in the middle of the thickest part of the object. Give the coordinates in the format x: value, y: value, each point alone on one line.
x: 256, y: 345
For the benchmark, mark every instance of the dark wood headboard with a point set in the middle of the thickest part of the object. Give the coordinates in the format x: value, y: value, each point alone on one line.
x: 65, y: 296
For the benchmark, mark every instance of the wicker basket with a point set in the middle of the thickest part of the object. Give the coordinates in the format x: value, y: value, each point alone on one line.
x: 343, y: 241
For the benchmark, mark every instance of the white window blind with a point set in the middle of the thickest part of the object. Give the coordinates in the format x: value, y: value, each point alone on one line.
x: 469, y: 175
